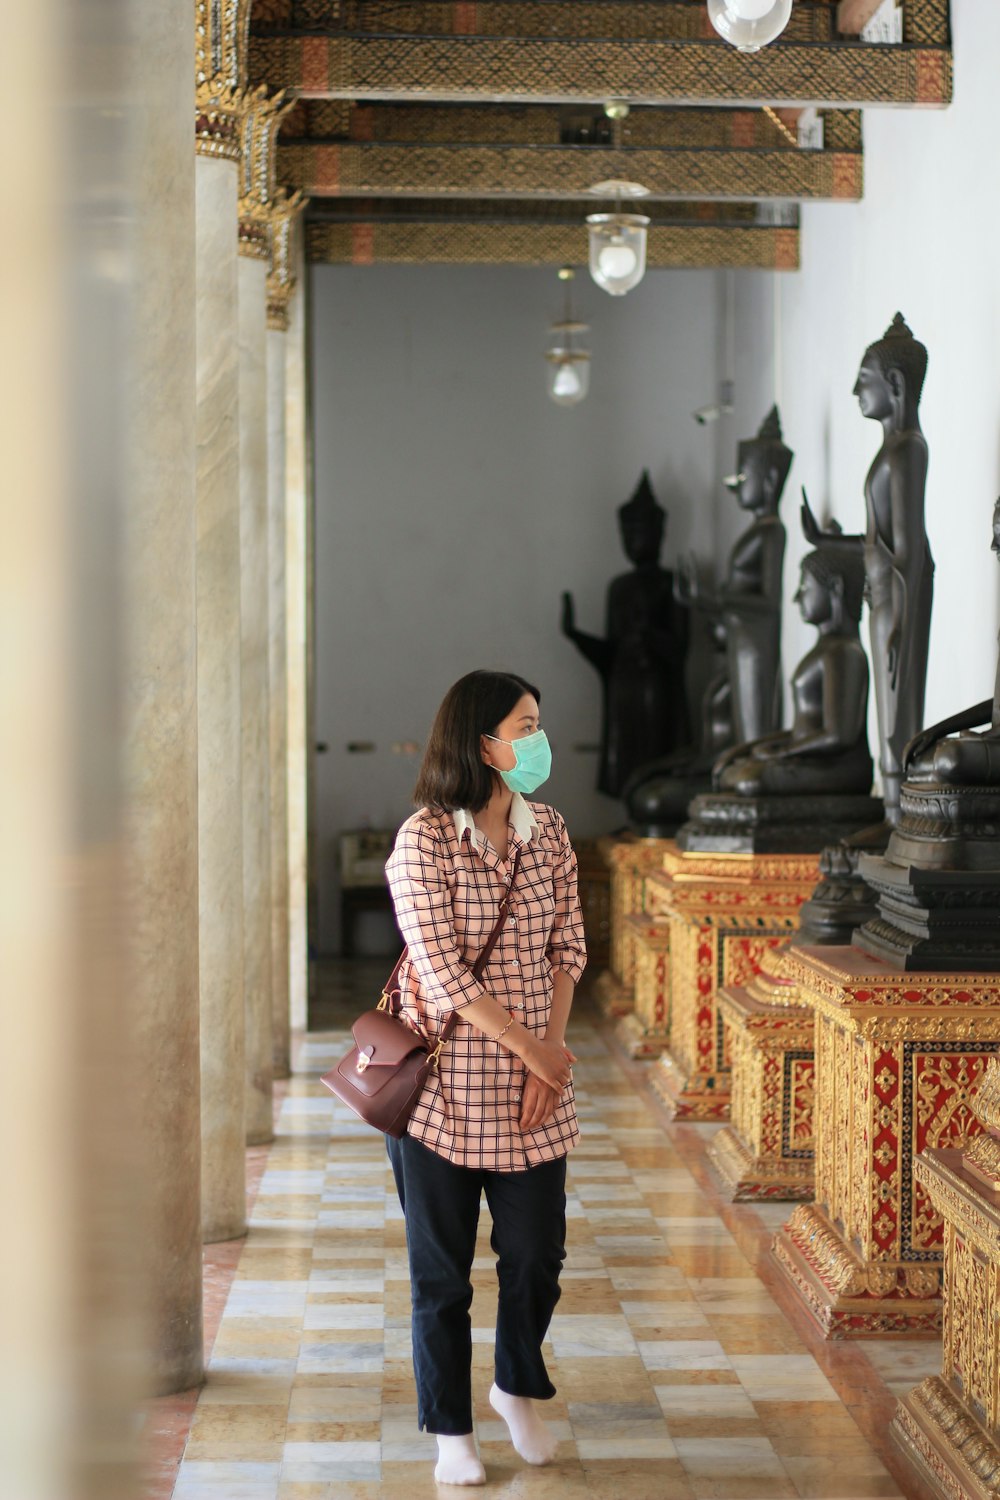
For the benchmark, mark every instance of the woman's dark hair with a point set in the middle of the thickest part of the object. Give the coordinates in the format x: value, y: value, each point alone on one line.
x: 453, y: 773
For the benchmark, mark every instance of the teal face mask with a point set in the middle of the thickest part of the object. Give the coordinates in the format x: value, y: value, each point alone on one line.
x: 532, y: 762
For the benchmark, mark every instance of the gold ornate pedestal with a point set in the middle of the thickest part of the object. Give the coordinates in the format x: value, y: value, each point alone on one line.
x: 767, y: 1151
x: 726, y: 911
x: 629, y: 859
x: 645, y: 1031
x: 899, y: 1058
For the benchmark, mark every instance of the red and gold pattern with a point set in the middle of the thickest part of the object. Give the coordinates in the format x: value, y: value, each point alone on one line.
x: 726, y: 912
x: 899, y: 1059
x: 629, y: 860
x: 767, y: 1150
x: 949, y: 1426
x: 645, y: 1031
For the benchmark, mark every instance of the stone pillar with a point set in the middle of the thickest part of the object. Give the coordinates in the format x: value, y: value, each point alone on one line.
x: 220, y: 784
x: 255, y: 707
x: 159, y: 729
x: 69, y: 1182
x: 262, y: 117
x: 278, y: 687
x: 296, y: 580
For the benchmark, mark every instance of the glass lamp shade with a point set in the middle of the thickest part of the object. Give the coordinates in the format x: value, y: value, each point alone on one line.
x: 569, y: 375
x: 749, y: 24
x: 617, y: 250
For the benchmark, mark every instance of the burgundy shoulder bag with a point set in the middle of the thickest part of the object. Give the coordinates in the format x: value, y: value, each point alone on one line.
x: 383, y: 1074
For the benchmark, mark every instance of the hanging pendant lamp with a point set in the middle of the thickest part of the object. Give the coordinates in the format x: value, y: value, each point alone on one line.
x: 569, y: 364
x: 749, y: 25
x: 618, y: 240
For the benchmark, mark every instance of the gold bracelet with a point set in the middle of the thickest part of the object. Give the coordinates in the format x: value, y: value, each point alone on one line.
x: 501, y: 1033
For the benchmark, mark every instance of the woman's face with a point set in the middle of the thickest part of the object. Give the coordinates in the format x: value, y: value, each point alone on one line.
x: 523, y: 719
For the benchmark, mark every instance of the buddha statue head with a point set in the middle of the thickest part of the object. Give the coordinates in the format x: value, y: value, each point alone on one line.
x: 764, y: 462
x: 832, y: 586
x: 642, y: 522
x: 891, y: 377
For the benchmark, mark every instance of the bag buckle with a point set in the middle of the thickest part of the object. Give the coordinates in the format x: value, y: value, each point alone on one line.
x: 365, y: 1057
x: 432, y: 1057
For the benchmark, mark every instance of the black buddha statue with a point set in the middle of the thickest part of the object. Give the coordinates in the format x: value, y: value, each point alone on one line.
x: 955, y: 752
x: 938, y: 883
x: 826, y: 749
x: 749, y: 600
x: 900, y: 580
x: 746, y: 615
x: 898, y: 562
x: 641, y: 658
x: 658, y: 793
x: 791, y: 790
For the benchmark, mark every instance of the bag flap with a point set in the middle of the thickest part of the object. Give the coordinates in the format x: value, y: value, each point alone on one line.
x: 384, y: 1040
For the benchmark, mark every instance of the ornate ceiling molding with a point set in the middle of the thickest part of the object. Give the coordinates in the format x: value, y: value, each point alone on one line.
x: 669, y: 246
x: 566, y: 53
x: 381, y: 167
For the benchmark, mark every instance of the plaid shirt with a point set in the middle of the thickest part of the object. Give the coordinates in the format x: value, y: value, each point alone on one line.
x: 447, y: 881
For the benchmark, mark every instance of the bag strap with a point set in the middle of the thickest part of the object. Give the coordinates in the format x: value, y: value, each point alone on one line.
x: 392, y: 987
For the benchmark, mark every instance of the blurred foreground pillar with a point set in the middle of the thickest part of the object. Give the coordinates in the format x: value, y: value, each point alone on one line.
x: 160, y: 706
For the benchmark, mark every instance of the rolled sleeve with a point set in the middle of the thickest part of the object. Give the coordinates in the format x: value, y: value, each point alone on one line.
x: 423, y: 906
x: 567, y: 950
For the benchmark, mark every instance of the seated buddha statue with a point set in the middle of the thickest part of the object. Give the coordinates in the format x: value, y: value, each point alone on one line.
x: 825, y: 752
x: 955, y: 752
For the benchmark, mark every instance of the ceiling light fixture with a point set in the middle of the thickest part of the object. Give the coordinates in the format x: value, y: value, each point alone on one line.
x: 749, y: 25
x: 569, y: 366
x: 618, y: 240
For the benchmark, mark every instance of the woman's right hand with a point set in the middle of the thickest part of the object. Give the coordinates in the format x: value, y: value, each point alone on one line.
x: 548, y: 1061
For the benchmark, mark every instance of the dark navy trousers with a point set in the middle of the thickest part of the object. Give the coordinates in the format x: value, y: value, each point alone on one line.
x: 440, y: 1203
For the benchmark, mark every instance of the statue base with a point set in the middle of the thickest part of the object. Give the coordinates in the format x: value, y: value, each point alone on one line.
x: 659, y: 807
x: 899, y: 1058
x: 847, y: 1296
x: 932, y: 920
x: 727, y: 823
x: 725, y: 912
x: 628, y: 860
x: 767, y: 1150
x: 948, y: 828
x: 645, y: 1031
x: 842, y: 902
x: 949, y: 1425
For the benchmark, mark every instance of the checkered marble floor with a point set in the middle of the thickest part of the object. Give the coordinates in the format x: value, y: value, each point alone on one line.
x: 678, y: 1375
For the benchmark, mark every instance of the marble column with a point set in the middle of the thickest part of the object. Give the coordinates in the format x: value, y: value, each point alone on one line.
x: 220, y: 782
x: 278, y: 690
x: 296, y: 576
x: 159, y: 725
x: 255, y: 698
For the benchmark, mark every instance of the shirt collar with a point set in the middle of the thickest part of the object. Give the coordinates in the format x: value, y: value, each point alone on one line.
x: 522, y: 820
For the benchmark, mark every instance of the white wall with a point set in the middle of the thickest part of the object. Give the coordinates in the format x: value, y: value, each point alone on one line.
x: 926, y: 241
x: 455, y: 502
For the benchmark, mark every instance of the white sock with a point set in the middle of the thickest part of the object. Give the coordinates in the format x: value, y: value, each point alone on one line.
x: 458, y: 1460
x: 535, y: 1442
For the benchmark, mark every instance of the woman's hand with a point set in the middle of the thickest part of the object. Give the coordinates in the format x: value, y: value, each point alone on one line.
x: 550, y: 1062
x: 538, y: 1103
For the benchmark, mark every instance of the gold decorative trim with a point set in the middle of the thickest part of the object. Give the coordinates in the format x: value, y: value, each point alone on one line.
x: 221, y: 34
x: 262, y: 117
x: 961, y: 1458
x: 286, y: 213
x: 529, y: 69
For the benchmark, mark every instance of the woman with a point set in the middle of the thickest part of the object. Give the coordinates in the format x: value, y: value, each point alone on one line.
x: 499, y: 1116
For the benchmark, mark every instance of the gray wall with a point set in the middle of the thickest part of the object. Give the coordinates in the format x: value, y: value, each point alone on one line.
x: 455, y: 502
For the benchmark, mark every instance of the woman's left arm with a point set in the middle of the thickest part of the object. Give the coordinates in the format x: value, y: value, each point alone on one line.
x: 567, y: 953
